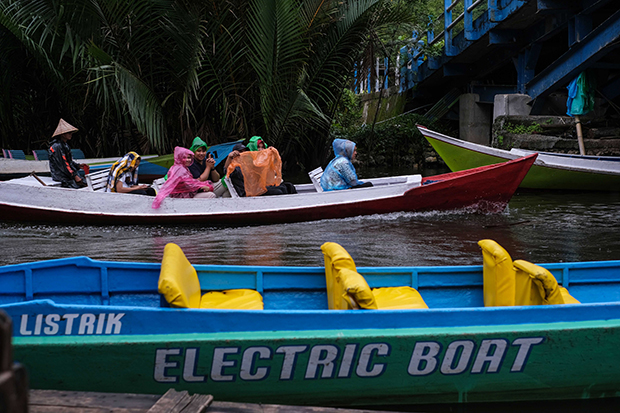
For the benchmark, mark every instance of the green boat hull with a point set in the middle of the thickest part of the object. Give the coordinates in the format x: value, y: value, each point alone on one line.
x: 539, y: 177
x: 576, y: 360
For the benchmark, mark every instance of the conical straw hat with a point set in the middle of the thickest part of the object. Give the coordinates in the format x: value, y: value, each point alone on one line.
x: 64, y: 127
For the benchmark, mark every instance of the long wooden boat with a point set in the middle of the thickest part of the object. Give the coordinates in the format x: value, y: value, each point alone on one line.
x: 151, y: 166
x: 550, y: 171
x: 486, y: 189
x: 88, y: 325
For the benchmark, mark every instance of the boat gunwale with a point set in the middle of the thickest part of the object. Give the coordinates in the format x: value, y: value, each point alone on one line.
x: 545, y: 159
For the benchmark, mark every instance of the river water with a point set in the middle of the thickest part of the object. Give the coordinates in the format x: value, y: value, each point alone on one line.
x: 538, y: 227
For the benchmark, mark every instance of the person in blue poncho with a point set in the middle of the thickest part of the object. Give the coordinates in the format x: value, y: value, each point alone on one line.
x: 340, y: 173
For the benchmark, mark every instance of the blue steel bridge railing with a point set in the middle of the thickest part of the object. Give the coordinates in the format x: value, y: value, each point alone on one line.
x: 413, y: 55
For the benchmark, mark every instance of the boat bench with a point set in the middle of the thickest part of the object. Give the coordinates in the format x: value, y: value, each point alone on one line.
x: 97, y: 181
x: 315, y: 176
x: 77, y: 154
x: 16, y: 154
x: 40, y: 155
x: 158, y: 183
x: 180, y: 286
x: 508, y: 283
x: 231, y: 188
x: 348, y: 290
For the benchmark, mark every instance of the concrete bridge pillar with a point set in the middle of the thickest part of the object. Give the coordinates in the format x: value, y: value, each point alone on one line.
x: 474, y: 119
x: 511, y: 105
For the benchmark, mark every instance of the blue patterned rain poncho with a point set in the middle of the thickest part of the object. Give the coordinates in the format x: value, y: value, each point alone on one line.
x: 340, y: 173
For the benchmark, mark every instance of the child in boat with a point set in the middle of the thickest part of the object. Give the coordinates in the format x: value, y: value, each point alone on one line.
x: 340, y: 173
x: 123, y: 177
x: 181, y: 183
x: 62, y: 166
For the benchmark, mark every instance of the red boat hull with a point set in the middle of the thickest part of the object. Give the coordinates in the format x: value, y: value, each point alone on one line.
x: 487, y: 189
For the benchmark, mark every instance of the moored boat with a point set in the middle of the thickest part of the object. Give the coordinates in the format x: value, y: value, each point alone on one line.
x: 151, y: 166
x: 17, y: 168
x: 485, y: 189
x: 88, y: 325
x: 550, y: 171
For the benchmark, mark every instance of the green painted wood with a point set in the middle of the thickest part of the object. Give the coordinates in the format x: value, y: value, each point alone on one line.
x: 341, y: 368
x: 538, y: 177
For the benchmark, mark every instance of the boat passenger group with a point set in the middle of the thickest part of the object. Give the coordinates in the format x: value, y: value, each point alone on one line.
x: 253, y: 170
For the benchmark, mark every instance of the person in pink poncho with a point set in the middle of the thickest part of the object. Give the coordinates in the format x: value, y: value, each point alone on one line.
x: 181, y: 183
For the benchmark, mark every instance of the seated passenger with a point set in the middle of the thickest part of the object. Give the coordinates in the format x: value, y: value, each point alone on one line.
x: 123, y: 177
x: 255, y: 173
x: 181, y: 183
x: 258, y: 144
x: 203, y: 167
x: 62, y: 166
x: 340, y: 173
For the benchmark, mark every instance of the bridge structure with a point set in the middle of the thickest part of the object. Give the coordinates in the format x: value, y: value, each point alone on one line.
x: 504, y: 56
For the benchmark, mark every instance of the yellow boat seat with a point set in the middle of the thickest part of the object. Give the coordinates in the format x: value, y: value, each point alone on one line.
x: 498, y: 275
x: 508, y: 283
x: 347, y: 289
x: 179, y: 284
x: 543, y: 287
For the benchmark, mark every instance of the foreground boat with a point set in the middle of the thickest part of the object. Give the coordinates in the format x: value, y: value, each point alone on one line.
x: 486, y: 189
x: 88, y: 325
x: 550, y: 171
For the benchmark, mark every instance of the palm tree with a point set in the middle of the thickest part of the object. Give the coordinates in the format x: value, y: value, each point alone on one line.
x: 156, y: 73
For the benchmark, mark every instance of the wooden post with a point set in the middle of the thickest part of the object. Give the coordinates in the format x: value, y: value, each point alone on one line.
x: 582, y: 149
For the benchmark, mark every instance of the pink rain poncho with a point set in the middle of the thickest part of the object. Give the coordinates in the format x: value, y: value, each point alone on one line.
x: 180, y: 181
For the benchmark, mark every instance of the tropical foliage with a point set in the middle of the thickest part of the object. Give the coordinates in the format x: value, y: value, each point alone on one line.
x: 152, y: 74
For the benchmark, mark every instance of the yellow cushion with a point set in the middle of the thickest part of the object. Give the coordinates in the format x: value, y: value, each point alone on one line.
x: 498, y: 273
x: 398, y: 298
x: 242, y: 299
x: 356, y: 291
x: 543, y: 289
x: 336, y: 259
x: 568, y: 299
x: 178, y: 281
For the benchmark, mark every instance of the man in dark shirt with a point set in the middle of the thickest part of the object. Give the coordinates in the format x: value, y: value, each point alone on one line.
x: 203, y: 167
x: 62, y: 166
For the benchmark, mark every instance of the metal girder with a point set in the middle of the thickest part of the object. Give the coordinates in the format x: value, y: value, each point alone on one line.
x: 499, y: 10
x: 487, y: 92
x: 554, y: 6
x: 595, y: 45
x: 457, y: 69
x: 499, y: 36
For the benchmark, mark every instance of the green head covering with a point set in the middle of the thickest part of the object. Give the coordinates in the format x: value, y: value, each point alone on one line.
x: 198, y: 143
x: 253, y: 146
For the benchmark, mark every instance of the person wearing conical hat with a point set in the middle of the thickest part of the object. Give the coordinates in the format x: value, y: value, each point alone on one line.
x: 62, y: 166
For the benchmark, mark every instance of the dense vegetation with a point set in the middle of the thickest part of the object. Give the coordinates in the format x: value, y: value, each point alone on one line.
x: 151, y: 74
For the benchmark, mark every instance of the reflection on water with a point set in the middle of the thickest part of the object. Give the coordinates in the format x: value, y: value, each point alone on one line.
x: 537, y: 227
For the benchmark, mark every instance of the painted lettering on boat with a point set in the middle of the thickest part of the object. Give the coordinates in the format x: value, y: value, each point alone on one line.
x: 70, y: 324
x: 327, y: 361
x: 459, y: 356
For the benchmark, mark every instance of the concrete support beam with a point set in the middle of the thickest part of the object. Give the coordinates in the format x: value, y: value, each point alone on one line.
x: 511, y: 105
x: 474, y: 119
